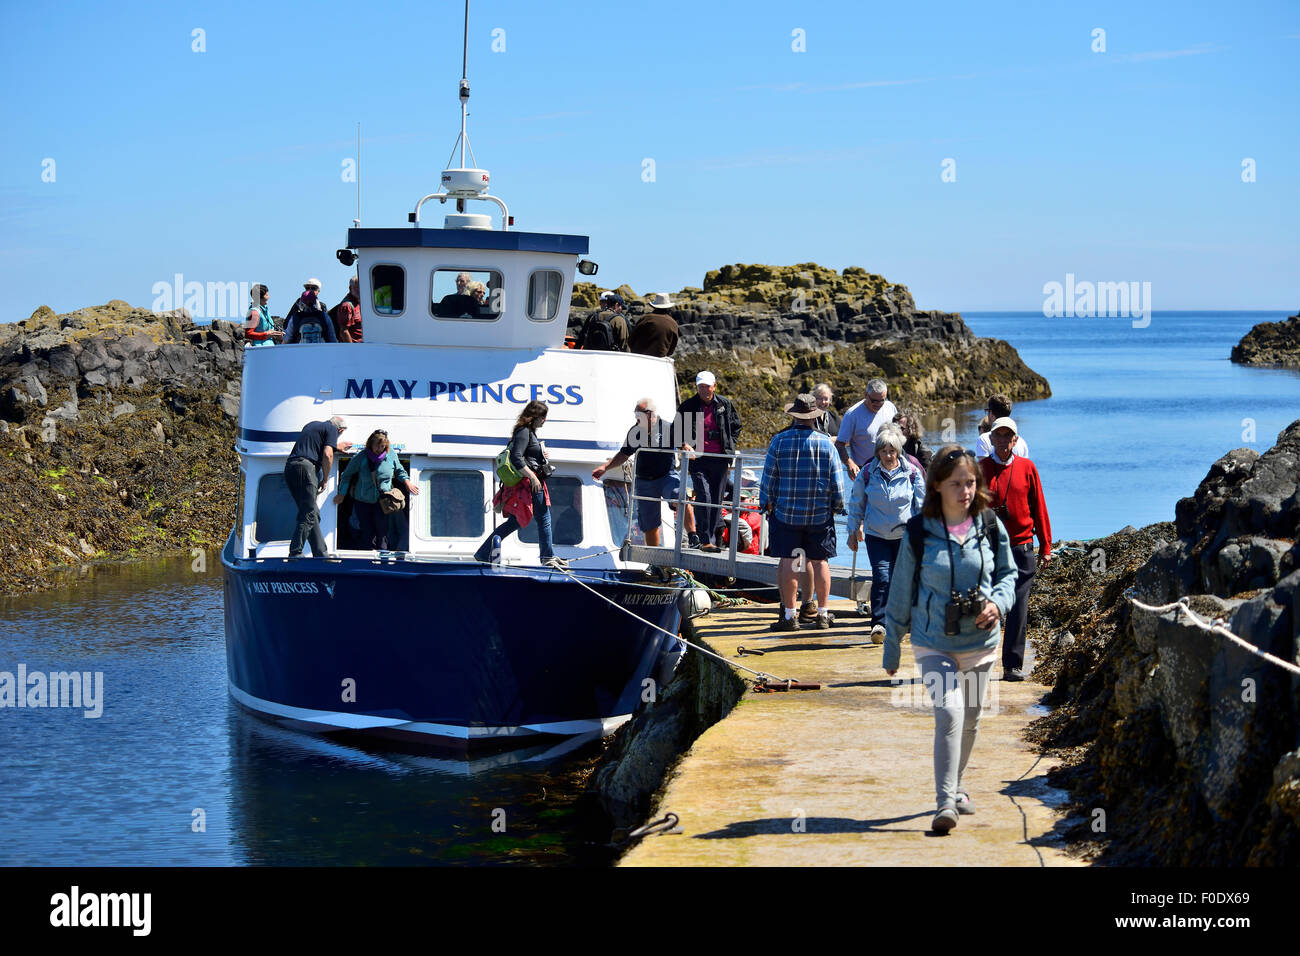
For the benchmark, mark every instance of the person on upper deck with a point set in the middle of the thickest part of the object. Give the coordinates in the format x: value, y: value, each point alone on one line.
x: 605, y: 330
x: 259, y: 330
x: 367, y: 476
x: 528, y: 456
x: 307, y: 320
x: 347, y: 314
x: 656, y: 331
x: 461, y: 302
x: 709, y: 423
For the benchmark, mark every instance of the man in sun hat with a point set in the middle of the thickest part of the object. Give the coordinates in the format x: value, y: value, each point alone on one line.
x: 307, y: 320
x: 1017, y: 494
x: 802, y: 490
x: 656, y: 331
x: 709, y: 423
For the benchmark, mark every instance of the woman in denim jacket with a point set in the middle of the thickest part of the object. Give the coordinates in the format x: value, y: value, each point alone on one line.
x: 955, y: 667
x: 886, y: 493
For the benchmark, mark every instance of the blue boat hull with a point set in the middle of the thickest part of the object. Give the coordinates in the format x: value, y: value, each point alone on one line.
x: 461, y: 656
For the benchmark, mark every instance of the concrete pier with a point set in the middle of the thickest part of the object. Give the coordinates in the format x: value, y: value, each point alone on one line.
x: 844, y: 775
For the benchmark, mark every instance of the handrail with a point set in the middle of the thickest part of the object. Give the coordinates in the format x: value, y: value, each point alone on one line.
x: 737, y: 461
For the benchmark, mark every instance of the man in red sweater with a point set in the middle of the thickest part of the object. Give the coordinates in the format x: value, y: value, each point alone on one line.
x: 1018, y: 499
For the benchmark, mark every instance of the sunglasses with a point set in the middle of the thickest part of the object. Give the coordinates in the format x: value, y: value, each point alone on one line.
x: 954, y: 455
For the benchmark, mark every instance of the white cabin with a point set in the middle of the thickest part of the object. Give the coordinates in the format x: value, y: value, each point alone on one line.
x: 447, y: 386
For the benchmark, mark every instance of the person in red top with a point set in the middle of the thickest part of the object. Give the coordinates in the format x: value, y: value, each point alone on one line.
x: 348, y: 323
x: 1017, y: 493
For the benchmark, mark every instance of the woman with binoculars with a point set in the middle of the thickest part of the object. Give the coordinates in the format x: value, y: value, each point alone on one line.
x: 952, y: 586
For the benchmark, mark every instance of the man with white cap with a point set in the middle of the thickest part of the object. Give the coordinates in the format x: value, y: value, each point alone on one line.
x: 709, y: 423
x: 307, y: 320
x: 1017, y: 494
x: 656, y: 331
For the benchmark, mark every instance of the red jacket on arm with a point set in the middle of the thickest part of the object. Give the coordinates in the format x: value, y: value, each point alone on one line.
x: 1017, y: 488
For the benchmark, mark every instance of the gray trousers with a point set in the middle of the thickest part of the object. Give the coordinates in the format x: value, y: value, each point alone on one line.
x: 958, y: 701
x: 300, y: 476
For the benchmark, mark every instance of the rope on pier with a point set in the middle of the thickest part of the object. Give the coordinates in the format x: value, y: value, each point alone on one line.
x: 1216, y: 626
x: 759, y: 677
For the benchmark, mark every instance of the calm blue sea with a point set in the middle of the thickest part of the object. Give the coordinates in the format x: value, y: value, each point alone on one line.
x: 1137, y: 416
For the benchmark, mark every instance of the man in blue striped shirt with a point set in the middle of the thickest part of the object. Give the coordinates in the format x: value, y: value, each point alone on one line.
x: 802, y: 490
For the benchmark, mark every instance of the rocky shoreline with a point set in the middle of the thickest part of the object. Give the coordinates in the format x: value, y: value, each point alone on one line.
x: 1180, y: 747
x: 1270, y: 345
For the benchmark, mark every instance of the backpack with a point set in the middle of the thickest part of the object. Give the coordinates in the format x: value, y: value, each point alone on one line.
x: 506, y: 471
x: 310, y: 330
x: 916, y: 541
x: 597, y: 334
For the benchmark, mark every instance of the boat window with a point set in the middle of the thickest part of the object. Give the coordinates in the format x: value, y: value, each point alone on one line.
x: 466, y: 294
x: 621, y: 511
x: 544, y: 295
x: 388, y: 285
x: 277, y: 514
x: 566, y: 513
x: 455, y: 503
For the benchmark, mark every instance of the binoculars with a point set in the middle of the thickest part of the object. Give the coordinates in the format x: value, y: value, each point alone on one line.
x: 960, y: 604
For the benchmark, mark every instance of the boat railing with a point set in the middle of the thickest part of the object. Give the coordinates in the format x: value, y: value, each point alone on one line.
x: 738, y: 463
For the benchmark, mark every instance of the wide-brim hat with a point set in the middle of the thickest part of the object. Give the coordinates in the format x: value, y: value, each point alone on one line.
x: 1003, y: 423
x: 805, y: 406
x: 661, y: 300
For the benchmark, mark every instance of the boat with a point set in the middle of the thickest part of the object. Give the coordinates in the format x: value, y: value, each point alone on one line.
x: 424, y: 642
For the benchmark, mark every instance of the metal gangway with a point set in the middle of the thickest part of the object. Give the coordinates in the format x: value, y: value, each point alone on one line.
x: 741, y: 569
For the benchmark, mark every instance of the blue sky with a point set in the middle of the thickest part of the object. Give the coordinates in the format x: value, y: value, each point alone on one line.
x: 226, y: 165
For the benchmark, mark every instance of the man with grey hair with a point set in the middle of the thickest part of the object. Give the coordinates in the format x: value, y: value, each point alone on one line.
x: 306, y: 471
x: 856, y: 441
x: 657, y: 477
x: 887, y: 493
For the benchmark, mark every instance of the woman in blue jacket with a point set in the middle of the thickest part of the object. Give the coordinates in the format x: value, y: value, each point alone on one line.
x: 954, y: 610
x: 367, y: 476
x: 886, y: 493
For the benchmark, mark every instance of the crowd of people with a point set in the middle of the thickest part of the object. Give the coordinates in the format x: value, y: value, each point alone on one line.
x: 949, y: 535
x: 307, y: 320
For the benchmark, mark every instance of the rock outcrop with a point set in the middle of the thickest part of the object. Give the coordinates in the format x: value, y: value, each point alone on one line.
x: 1270, y: 345
x: 1183, y: 744
x: 769, y: 332
x: 116, y: 428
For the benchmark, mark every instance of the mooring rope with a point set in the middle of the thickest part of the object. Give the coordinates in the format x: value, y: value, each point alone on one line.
x: 1215, y: 626
x: 761, y: 676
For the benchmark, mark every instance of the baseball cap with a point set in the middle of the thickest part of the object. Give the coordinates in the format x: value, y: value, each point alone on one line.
x: 705, y: 378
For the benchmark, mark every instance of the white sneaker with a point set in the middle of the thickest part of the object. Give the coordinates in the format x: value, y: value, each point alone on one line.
x: 877, y: 635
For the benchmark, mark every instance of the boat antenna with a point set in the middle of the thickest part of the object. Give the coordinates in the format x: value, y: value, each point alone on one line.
x: 357, y: 222
x: 463, y: 140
